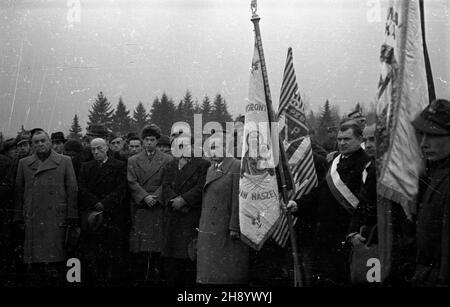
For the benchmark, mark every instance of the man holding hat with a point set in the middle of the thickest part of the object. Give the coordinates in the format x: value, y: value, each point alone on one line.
x: 433, y: 220
x: 102, y: 185
x: 58, y: 141
x: 145, y: 171
x: 93, y: 131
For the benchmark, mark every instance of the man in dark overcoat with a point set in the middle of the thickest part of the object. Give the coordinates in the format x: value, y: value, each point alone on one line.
x: 183, y: 181
x: 332, y: 209
x: 102, y: 186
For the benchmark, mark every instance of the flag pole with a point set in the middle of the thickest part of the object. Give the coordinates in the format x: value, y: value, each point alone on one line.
x: 298, y: 282
x: 429, y: 73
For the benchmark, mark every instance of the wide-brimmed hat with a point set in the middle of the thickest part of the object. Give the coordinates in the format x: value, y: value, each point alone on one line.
x: 97, y: 130
x: 435, y: 118
x: 58, y: 137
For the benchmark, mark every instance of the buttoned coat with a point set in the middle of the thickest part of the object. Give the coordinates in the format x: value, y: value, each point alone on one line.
x: 105, y: 184
x: 180, y: 226
x: 221, y: 260
x: 46, y: 197
x: 145, y: 178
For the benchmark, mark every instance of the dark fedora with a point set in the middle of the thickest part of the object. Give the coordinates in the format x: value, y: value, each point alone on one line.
x: 9, y: 144
x: 58, y: 137
x: 94, y: 220
x: 74, y: 146
x: 97, y: 130
x: 164, y: 140
x: 435, y: 118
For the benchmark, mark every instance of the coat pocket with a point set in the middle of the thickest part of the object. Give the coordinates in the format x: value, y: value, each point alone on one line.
x: 61, y: 214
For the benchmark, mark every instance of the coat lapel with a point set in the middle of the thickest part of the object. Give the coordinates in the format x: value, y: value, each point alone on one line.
x: 214, y: 174
x: 105, y: 170
x: 50, y: 163
x: 187, y: 171
x: 34, y: 162
x: 150, y: 167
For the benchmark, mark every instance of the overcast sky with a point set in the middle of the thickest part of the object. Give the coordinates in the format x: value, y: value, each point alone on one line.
x: 52, y: 65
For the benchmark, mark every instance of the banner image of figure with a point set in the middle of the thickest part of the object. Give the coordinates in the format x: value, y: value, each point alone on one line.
x: 258, y: 193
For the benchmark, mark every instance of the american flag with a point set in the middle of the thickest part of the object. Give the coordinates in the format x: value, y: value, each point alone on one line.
x: 295, y: 135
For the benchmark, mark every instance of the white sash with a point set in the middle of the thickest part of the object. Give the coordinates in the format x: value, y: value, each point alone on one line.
x: 339, y: 189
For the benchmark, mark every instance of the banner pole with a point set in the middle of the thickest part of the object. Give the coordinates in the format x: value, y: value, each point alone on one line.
x: 298, y: 282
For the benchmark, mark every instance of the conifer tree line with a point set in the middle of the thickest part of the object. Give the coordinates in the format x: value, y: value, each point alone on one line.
x: 164, y: 111
x: 323, y: 124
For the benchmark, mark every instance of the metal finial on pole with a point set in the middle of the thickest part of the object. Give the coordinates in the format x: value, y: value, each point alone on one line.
x: 254, y: 7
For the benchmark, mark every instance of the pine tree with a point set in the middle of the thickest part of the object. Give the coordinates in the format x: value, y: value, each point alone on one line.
x: 101, y: 112
x: 335, y: 115
x: 311, y: 120
x: 197, y: 108
x: 220, y: 110
x: 167, y: 109
x: 121, y: 119
x: 179, y: 112
x: 140, y: 117
x: 206, y: 109
x: 155, y: 112
x: 75, y: 129
x: 188, y: 109
x: 325, y: 121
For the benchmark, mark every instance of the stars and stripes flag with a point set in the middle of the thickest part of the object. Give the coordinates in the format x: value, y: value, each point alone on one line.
x: 295, y: 135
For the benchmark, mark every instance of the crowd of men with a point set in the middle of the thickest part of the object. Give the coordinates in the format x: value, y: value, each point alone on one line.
x: 135, y: 214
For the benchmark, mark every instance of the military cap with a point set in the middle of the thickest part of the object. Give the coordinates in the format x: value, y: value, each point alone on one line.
x: 435, y: 118
x: 24, y: 138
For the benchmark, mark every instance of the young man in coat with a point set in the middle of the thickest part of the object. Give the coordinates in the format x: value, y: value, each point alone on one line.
x: 47, y: 204
x: 144, y: 176
x: 433, y: 220
x: 183, y: 181
x: 222, y: 258
x: 102, y: 186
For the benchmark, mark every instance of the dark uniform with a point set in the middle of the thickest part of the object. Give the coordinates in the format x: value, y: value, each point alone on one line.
x: 433, y: 220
